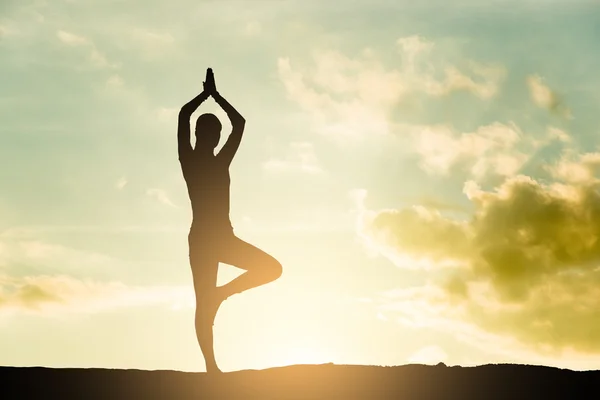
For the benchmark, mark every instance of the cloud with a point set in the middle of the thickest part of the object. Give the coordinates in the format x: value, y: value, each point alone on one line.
x: 115, y: 81
x: 37, y: 276
x: 353, y: 97
x: 300, y: 157
x: 99, y: 60
x: 544, y: 97
x: 455, y: 80
x: 494, y: 150
x: 558, y: 134
x: 71, y: 39
x: 53, y: 294
x: 6, y: 31
x: 489, y: 149
x: 161, y: 196
x: 165, y: 114
x: 431, y: 307
x: 152, y: 43
x: 22, y: 252
x: 121, y: 183
x: 363, y: 219
x: 412, y: 46
x: 153, y: 38
x: 437, y: 203
x: 95, y: 57
x: 419, y: 228
x: 530, y: 252
x: 363, y: 112
x: 29, y: 232
x: 252, y: 28
x: 576, y: 168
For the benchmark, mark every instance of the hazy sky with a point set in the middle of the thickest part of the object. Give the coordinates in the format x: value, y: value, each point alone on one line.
x: 426, y: 174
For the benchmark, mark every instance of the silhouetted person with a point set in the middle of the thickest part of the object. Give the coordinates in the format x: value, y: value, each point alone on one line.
x: 211, y: 239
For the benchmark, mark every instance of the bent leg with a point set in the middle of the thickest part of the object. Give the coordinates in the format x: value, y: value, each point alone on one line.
x: 261, y: 268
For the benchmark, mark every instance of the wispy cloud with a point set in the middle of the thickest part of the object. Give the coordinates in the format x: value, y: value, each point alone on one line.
x: 166, y: 114
x: 71, y: 39
x: 153, y: 38
x: 57, y: 294
x: 412, y: 46
x: 252, y: 28
x: 6, y: 30
x: 152, y: 43
x: 121, y: 183
x: 161, y: 196
x: 23, y: 250
x: 115, y: 81
x: 491, y: 149
x: 368, y: 92
x: 352, y: 97
x: 95, y: 57
x: 485, y: 86
x: 483, y: 83
x: 545, y: 97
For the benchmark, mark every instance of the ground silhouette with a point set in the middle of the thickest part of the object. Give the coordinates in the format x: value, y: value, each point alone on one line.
x: 319, y: 382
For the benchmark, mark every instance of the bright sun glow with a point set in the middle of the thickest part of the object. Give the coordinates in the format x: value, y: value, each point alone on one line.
x: 301, y: 355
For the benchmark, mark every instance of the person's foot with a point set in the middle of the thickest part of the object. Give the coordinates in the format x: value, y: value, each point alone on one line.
x: 213, y: 369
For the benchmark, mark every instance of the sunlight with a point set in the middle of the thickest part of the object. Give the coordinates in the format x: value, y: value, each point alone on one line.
x: 301, y: 355
x: 428, y: 355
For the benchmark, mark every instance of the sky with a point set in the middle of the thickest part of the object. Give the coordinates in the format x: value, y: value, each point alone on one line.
x: 426, y: 173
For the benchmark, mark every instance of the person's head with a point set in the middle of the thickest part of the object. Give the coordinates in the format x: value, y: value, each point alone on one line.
x: 208, y: 131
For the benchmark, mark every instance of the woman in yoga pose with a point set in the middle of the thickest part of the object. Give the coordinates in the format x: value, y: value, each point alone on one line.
x: 211, y: 238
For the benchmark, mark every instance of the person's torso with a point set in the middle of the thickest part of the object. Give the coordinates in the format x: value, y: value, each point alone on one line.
x: 208, y: 184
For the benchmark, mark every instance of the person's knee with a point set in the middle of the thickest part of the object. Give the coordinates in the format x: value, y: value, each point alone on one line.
x: 275, y: 269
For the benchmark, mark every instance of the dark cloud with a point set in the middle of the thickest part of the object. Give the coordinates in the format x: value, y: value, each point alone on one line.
x: 535, y: 249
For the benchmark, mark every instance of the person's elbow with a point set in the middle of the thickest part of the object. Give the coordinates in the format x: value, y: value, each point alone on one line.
x: 239, y: 122
x: 185, y: 113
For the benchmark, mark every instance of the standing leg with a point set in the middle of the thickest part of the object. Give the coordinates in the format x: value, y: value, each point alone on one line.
x: 204, y: 271
x: 261, y: 268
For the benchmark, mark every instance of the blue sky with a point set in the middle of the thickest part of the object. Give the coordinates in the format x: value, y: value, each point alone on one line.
x: 412, y: 166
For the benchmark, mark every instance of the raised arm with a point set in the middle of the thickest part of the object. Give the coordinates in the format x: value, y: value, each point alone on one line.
x: 183, y: 123
x: 238, y: 122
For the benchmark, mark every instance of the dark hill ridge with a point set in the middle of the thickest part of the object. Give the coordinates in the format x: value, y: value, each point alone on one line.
x: 326, y: 382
